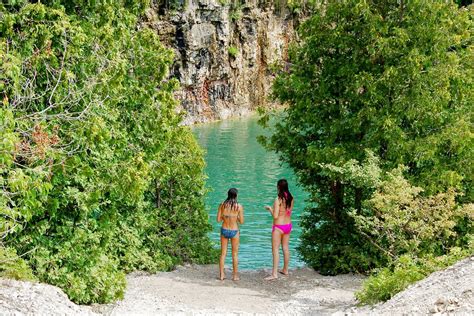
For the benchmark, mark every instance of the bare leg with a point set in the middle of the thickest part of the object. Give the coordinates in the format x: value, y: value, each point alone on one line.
x: 235, y: 257
x: 286, y: 253
x: 224, y: 242
x: 276, y: 240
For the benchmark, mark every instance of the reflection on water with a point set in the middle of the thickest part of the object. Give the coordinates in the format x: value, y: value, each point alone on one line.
x: 235, y: 159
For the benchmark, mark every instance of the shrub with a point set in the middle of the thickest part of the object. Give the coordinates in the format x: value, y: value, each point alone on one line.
x: 397, y: 219
x: 98, y: 178
x: 366, y: 76
x: 233, y: 51
x: 12, y: 266
x: 235, y: 13
x: 388, y: 281
x: 417, y: 234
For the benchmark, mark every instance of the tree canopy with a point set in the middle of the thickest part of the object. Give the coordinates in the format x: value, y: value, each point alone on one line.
x: 98, y: 177
x: 392, y: 77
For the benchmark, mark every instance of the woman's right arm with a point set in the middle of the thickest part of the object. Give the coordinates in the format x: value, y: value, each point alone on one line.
x: 219, y: 214
x: 276, y: 208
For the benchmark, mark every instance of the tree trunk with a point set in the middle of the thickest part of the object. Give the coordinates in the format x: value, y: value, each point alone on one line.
x: 358, y: 199
x: 338, y: 196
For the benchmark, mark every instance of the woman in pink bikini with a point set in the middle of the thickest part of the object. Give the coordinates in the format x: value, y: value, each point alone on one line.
x: 281, y: 229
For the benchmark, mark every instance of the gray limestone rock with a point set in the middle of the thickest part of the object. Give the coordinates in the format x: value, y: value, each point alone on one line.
x: 223, y: 55
x: 22, y: 298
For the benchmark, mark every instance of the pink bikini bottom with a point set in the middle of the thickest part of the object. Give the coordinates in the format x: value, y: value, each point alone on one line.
x: 286, y: 228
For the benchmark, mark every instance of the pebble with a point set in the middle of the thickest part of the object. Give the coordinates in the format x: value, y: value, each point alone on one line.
x: 433, y: 309
x: 450, y: 308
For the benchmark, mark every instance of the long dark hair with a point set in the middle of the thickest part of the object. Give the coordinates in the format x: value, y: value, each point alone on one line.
x: 284, y: 193
x: 231, y: 200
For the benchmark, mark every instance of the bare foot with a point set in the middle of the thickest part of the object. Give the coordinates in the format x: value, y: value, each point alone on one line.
x: 284, y: 272
x: 222, y: 277
x: 271, y: 277
x: 235, y: 278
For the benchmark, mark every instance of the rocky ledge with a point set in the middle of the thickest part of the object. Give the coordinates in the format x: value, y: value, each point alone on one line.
x: 224, y: 54
x: 21, y: 298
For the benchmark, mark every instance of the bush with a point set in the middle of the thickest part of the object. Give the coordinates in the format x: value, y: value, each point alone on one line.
x: 233, y: 51
x: 398, y: 220
x: 416, y: 234
x: 98, y: 178
x: 388, y: 281
x: 235, y: 12
x: 12, y: 266
x: 365, y: 76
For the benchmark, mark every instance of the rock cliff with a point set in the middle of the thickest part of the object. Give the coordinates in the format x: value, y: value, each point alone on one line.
x: 224, y: 54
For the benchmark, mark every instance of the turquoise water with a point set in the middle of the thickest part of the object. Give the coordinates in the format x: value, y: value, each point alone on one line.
x: 235, y: 159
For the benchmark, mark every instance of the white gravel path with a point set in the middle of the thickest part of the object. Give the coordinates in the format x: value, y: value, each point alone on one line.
x: 195, y: 290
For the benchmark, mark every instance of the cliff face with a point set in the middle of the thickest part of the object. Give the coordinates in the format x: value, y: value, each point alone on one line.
x: 223, y: 55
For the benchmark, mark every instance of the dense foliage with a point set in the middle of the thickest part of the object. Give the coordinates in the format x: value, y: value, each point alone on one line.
x: 398, y: 220
x: 97, y: 176
x: 418, y: 234
x: 395, y: 78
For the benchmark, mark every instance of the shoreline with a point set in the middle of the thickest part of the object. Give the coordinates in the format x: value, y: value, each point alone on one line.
x: 241, y: 116
x: 196, y: 289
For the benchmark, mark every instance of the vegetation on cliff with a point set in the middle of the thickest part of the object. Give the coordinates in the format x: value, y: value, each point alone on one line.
x: 97, y: 177
x: 378, y: 128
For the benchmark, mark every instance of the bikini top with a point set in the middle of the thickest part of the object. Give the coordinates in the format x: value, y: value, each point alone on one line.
x: 288, y: 212
x: 229, y: 215
x: 289, y: 209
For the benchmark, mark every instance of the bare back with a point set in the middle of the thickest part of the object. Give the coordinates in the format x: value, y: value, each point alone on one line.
x: 284, y: 212
x: 230, y: 217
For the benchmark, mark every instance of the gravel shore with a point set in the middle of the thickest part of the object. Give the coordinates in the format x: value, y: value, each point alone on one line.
x: 195, y: 290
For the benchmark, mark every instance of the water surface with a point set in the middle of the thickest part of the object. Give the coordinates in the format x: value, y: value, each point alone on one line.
x: 235, y: 159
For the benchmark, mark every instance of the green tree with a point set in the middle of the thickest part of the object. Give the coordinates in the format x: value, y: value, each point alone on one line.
x: 98, y: 178
x: 395, y: 77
